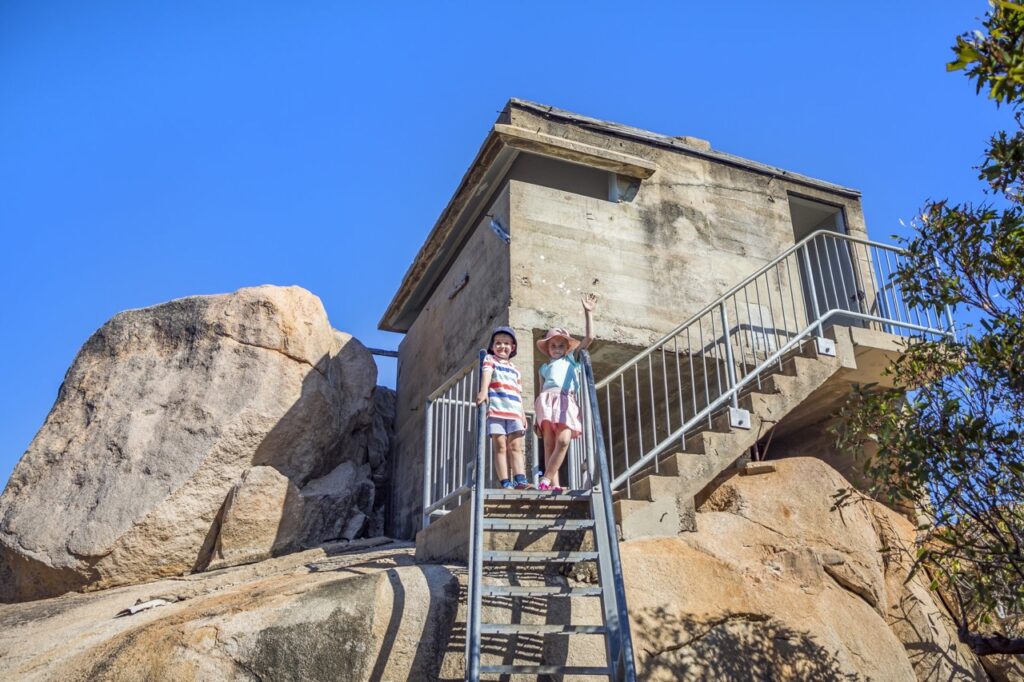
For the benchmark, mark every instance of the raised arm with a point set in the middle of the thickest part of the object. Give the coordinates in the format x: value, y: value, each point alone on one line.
x: 589, y: 303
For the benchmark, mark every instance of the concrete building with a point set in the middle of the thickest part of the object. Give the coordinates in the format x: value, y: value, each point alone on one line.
x: 658, y: 226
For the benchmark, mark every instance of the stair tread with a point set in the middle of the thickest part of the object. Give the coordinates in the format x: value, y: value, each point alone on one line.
x: 535, y: 557
x: 546, y: 670
x: 540, y: 629
x: 538, y: 496
x: 539, y: 591
x: 491, y: 523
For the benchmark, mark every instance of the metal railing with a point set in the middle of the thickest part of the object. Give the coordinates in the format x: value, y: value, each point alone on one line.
x: 619, y: 641
x: 585, y: 458
x: 680, y: 383
x: 476, y: 483
x: 450, y: 437
x: 449, y: 441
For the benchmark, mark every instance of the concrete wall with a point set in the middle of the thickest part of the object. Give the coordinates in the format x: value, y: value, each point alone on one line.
x: 695, y: 228
x: 445, y: 336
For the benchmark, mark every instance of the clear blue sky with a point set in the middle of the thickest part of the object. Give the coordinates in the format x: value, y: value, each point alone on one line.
x: 150, y: 151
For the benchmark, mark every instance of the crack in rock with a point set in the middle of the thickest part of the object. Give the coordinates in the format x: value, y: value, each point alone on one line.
x: 273, y: 350
x: 850, y: 585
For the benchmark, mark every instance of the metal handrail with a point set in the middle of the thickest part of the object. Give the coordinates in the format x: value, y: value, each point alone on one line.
x: 432, y: 504
x: 449, y: 431
x: 476, y: 543
x: 732, y: 342
x: 448, y: 420
x: 460, y: 374
x: 731, y: 394
x: 620, y: 647
x: 738, y: 287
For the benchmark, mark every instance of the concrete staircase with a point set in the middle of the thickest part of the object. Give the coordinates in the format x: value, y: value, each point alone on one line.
x: 663, y: 502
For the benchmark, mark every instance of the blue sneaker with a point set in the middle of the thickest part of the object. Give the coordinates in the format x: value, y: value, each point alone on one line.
x: 507, y: 484
x: 520, y: 482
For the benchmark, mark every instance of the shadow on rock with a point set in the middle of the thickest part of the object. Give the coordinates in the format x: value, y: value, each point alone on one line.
x: 731, y: 646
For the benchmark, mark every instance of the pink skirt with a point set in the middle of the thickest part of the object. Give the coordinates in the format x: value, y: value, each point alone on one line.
x: 559, y: 408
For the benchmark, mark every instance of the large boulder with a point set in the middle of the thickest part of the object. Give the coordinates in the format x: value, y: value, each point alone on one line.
x: 325, y: 614
x: 161, y: 412
x: 775, y: 585
x: 780, y: 584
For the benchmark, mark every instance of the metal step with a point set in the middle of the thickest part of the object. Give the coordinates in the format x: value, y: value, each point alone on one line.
x: 537, y: 496
x: 544, y: 670
x: 552, y: 525
x: 539, y: 591
x: 504, y: 557
x: 543, y: 629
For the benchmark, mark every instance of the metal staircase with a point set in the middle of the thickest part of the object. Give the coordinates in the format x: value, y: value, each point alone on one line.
x: 656, y: 431
x: 694, y: 388
x: 563, y: 515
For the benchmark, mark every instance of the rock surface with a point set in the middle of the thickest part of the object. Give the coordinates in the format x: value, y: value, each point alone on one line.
x: 775, y: 585
x: 159, y: 415
x: 261, y: 518
x: 779, y: 585
x: 317, y: 615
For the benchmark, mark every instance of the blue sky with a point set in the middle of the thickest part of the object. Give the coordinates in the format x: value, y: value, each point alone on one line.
x: 150, y: 151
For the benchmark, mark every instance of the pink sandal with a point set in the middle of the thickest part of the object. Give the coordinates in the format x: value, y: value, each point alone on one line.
x: 545, y: 485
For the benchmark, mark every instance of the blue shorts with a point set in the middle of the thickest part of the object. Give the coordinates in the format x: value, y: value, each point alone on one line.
x: 504, y: 427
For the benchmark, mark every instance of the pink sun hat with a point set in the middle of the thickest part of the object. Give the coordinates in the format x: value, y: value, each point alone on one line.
x: 554, y: 333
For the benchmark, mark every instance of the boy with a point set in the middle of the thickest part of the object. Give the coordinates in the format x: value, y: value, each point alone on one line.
x: 501, y: 387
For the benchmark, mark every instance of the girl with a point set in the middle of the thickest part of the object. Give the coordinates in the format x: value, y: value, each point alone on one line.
x: 502, y: 388
x: 558, y: 412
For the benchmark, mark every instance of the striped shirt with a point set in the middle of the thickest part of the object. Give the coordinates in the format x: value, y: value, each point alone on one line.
x: 505, y: 392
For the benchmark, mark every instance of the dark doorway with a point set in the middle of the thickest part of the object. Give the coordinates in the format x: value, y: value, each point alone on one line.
x: 828, y: 271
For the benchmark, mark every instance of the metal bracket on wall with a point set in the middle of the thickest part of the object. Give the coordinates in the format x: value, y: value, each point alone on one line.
x: 825, y: 346
x: 739, y: 418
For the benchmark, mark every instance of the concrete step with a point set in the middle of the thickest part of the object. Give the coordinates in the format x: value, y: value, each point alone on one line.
x: 647, y: 518
x: 662, y: 502
x: 714, y: 444
x: 779, y: 384
x: 652, y: 486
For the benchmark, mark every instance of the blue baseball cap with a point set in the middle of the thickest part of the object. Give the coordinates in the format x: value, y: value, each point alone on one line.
x: 503, y: 330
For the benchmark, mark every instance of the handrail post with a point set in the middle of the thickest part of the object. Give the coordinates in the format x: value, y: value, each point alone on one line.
x: 535, y: 448
x: 810, y: 285
x: 950, y: 328
x: 623, y: 650
x: 738, y: 418
x: 476, y: 541
x: 428, y: 456
x: 730, y: 367
x: 588, y: 436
